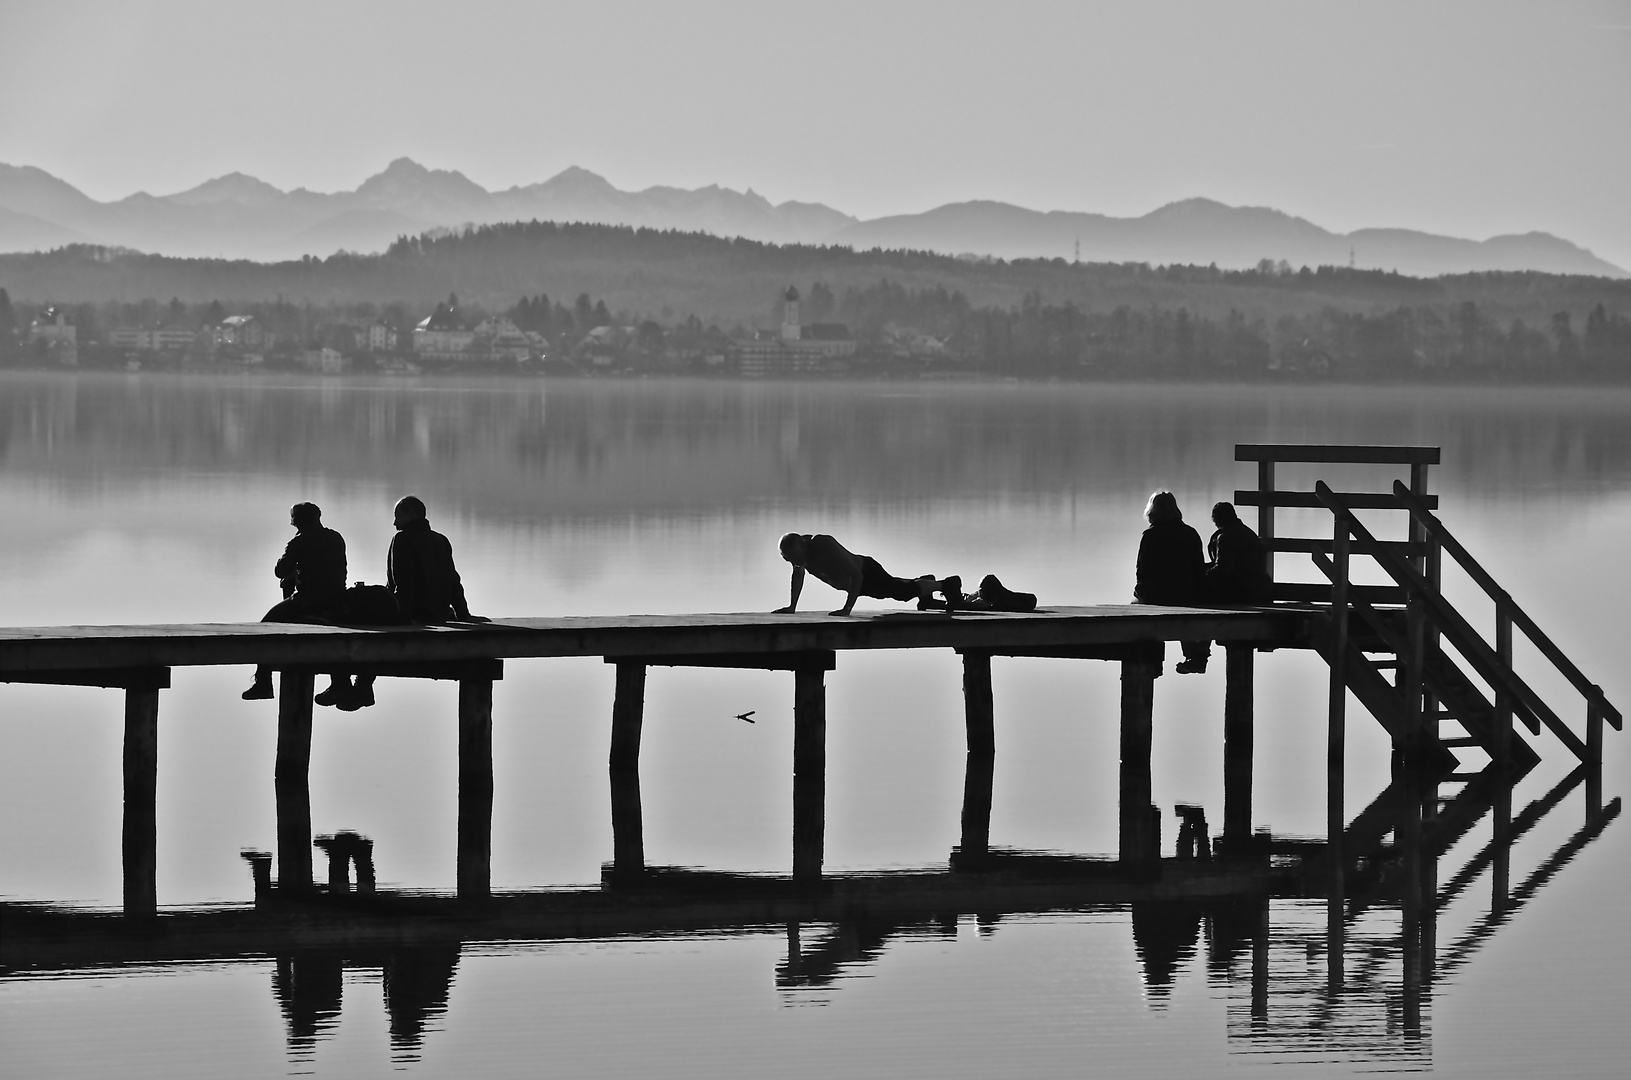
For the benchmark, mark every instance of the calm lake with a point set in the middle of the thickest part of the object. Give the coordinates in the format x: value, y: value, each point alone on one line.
x: 153, y: 498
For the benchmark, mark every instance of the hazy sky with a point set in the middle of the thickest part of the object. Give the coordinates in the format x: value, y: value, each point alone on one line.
x: 1467, y: 118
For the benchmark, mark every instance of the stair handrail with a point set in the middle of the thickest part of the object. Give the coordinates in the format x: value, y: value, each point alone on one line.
x: 1468, y: 641
x: 1389, y: 637
x: 1504, y: 604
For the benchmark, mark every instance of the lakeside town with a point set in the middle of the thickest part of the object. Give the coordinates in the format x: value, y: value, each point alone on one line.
x: 454, y: 339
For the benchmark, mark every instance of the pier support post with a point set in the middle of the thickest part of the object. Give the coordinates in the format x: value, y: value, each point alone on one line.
x: 140, y: 832
x: 623, y: 769
x: 809, y: 772
x: 291, y: 780
x: 982, y: 751
x: 1140, y: 838
x: 1237, y: 747
x: 475, y: 860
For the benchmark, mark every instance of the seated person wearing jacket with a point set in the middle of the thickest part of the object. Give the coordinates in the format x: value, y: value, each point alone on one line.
x: 1237, y: 570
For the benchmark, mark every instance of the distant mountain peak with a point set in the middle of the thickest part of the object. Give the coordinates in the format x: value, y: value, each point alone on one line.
x: 405, y: 181
x: 234, y: 187
x: 574, y: 178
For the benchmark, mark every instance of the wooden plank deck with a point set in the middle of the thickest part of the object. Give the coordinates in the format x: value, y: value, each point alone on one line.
x: 40, y: 651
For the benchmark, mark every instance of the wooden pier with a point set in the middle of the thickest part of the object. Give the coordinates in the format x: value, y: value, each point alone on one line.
x: 1360, y: 630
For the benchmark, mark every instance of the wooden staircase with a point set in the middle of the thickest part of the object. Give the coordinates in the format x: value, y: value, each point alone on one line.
x: 1452, y: 690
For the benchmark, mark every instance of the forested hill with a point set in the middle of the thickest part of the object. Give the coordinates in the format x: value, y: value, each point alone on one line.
x: 665, y: 275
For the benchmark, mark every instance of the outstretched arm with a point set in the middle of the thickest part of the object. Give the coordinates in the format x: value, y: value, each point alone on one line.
x: 849, y: 602
x: 797, y: 587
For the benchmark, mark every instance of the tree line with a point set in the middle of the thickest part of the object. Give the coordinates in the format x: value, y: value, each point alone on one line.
x: 676, y: 295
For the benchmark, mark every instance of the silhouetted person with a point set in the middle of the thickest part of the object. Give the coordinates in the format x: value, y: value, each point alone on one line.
x: 1165, y: 933
x: 1171, y: 568
x: 312, y: 573
x: 1238, y: 568
x: 308, y: 986
x: 420, y: 573
x: 417, y: 983
x: 856, y: 575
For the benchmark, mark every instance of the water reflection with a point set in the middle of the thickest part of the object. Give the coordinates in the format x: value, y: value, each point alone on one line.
x: 1269, y: 954
x: 309, y: 986
x: 692, y: 447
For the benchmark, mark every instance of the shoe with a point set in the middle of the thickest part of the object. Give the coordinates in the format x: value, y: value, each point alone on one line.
x: 1191, y: 667
x: 1002, y: 598
x: 259, y: 690
x: 335, y: 693
x: 952, y: 589
x: 925, y: 593
x: 357, y: 697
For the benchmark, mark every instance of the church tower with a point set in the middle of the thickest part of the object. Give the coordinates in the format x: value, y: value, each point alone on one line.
x: 790, y: 314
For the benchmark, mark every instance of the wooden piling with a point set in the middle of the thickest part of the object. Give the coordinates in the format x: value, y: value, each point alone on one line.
x: 1238, y: 723
x: 1139, y: 838
x: 623, y: 770
x: 292, y: 781
x: 1336, y: 720
x: 809, y: 772
x: 141, y: 779
x: 978, y: 715
x: 475, y: 858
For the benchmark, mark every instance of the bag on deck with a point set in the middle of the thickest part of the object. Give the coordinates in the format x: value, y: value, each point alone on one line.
x: 370, y: 605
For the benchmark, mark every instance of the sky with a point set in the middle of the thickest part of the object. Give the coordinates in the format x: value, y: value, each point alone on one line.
x: 1466, y: 118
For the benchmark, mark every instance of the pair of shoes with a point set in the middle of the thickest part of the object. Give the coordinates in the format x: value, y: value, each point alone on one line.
x: 357, y: 697
x: 1191, y: 667
x: 259, y: 690
x: 1002, y: 598
x: 337, y: 692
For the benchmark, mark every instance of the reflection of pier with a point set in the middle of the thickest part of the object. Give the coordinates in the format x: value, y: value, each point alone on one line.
x: 1306, y: 974
x: 1442, y: 670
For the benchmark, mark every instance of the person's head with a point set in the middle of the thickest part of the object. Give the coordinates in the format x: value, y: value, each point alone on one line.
x: 409, y: 510
x: 305, y: 515
x: 792, y: 548
x: 1223, y: 514
x: 1162, y: 508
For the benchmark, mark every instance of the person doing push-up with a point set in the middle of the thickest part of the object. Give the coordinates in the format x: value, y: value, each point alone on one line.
x: 857, y: 575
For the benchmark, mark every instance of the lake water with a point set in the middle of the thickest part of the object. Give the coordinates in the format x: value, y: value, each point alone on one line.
x: 149, y: 498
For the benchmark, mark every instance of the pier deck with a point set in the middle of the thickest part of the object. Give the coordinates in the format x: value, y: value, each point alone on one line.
x: 53, y: 653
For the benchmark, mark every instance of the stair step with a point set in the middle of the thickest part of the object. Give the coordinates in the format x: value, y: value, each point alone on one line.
x: 1461, y: 740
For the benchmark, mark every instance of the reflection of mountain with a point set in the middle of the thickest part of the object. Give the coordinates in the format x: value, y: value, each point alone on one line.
x: 588, y: 449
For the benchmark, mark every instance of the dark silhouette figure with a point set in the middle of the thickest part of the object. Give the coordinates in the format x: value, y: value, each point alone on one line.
x: 1172, y: 569
x: 1165, y: 934
x: 1237, y: 570
x: 309, y: 986
x: 417, y: 984
x: 857, y: 575
x: 419, y: 569
x: 312, y: 573
x: 422, y: 579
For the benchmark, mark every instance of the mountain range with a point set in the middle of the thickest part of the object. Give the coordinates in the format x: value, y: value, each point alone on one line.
x: 240, y: 217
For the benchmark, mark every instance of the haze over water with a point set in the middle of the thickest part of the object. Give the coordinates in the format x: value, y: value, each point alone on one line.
x: 164, y: 499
